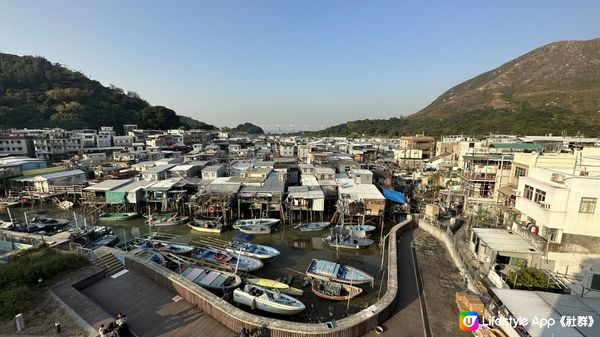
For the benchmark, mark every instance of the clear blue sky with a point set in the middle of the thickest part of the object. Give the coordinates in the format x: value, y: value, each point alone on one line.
x: 313, y: 62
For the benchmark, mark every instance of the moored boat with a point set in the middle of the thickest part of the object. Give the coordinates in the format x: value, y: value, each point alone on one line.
x: 267, y: 283
x: 211, y: 278
x: 8, y: 204
x: 347, y: 241
x: 170, y: 247
x: 255, y: 229
x: 118, y: 216
x: 108, y: 240
x: 365, y: 228
x: 312, y: 226
x: 251, y: 249
x: 260, y: 222
x: 206, y: 226
x: 64, y: 205
x: 273, y: 284
x: 337, y: 272
x: 267, y: 300
x: 213, y: 255
x: 334, y: 291
x: 173, y: 221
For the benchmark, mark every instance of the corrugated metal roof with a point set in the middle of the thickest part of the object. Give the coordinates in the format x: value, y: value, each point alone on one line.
x: 134, y: 186
x: 158, y: 169
x: 108, y: 185
x: 57, y: 175
x: 305, y: 192
x: 163, y: 185
x: 502, y: 240
x: 358, y: 191
x: 309, y: 180
x: 274, y: 183
x: 542, y: 305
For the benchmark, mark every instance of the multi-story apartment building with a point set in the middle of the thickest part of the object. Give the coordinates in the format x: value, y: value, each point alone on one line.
x: 105, y: 136
x: 57, y: 144
x: 16, y: 145
x: 424, y: 143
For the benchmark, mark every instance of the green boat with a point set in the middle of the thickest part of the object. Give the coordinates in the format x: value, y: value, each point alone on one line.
x: 120, y: 216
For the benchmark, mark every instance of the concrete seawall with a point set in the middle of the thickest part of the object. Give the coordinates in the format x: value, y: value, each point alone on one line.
x: 235, y: 319
x: 442, y: 236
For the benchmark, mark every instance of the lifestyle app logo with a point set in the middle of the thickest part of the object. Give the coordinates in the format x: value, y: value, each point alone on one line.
x: 468, y: 321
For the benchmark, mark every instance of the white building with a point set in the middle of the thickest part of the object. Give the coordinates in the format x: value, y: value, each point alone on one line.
x: 105, y: 136
x: 123, y: 141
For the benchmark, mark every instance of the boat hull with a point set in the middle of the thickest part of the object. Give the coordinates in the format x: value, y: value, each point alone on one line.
x: 252, y: 250
x: 314, y: 226
x: 336, y: 272
x: 262, y: 303
x: 212, y: 279
x: 199, y: 228
x: 118, y: 216
x: 260, y: 222
x: 349, y: 291
x: 253, y: 229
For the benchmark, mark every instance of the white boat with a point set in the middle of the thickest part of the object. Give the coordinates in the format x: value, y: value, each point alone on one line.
x: 255, y: 229
x: 173, y: 221
x: 267, y: 300
x: 337, y: 272
x: 251, y: 249
x: 365, y: 228
x: 312, y: 226
x: 261, y: 222
x: 65, y: 204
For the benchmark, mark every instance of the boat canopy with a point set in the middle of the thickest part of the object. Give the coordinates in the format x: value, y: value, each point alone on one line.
x: 394, y: 196
x: 327, y: 268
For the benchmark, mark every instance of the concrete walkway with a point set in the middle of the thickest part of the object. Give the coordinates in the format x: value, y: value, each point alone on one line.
x: 151, y: 310
x: 407, y: 319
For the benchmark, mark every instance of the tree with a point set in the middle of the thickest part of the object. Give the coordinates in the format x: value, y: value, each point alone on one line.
x: 157, y: 118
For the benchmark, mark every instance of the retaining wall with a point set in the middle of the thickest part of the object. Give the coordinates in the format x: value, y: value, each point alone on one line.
x: 442, y: 236
x: 235, y: 319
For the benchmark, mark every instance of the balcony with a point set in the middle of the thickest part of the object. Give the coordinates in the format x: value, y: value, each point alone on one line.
x: 478, y: 176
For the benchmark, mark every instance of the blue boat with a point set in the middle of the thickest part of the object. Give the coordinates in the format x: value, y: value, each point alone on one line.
x: 337, y: 272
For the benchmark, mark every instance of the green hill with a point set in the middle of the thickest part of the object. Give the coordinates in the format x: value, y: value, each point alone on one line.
x: 552, y: 89
x: 35, y: 93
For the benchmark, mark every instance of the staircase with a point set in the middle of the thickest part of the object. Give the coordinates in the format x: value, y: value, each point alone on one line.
x: 110, y: 263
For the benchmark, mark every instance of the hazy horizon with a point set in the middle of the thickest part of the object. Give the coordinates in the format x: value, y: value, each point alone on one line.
x: 288, y: 65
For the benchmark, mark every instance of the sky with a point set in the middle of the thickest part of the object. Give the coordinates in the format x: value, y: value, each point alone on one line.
x: 310, y: 63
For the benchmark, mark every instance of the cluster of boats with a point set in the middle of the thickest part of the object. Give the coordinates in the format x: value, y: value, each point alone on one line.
x: 219, y: 268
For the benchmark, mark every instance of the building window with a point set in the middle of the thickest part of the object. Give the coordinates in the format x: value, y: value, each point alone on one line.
x: 540, y: 196
x: 519, y: 171
x: 588, y: 205
x: 528, y: 194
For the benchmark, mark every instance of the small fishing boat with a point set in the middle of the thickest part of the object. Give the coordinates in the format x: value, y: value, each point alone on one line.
x: 255, y: 229
x: 169, y: 247
x: 334, y: 291
x: 8, y: 204
x: 49, y: 224
x: 337, y: 272
x: 118, y: 216
x: 273, y: 284
x: 108, y: 240
x: 213, y: 255
x: 211, y: 278
x: 365, y: 228
x: 251, y: 249
x: 312, y: 226
x: 347, y: 241
x: 255, y: 222
x: 267, y: 300
x: 267, y: 283
x: 173, y: 221
x: 64, y: 205
x: 206, y: 226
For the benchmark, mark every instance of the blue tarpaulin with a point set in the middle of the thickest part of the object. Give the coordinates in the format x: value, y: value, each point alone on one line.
x: 394, y: 196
